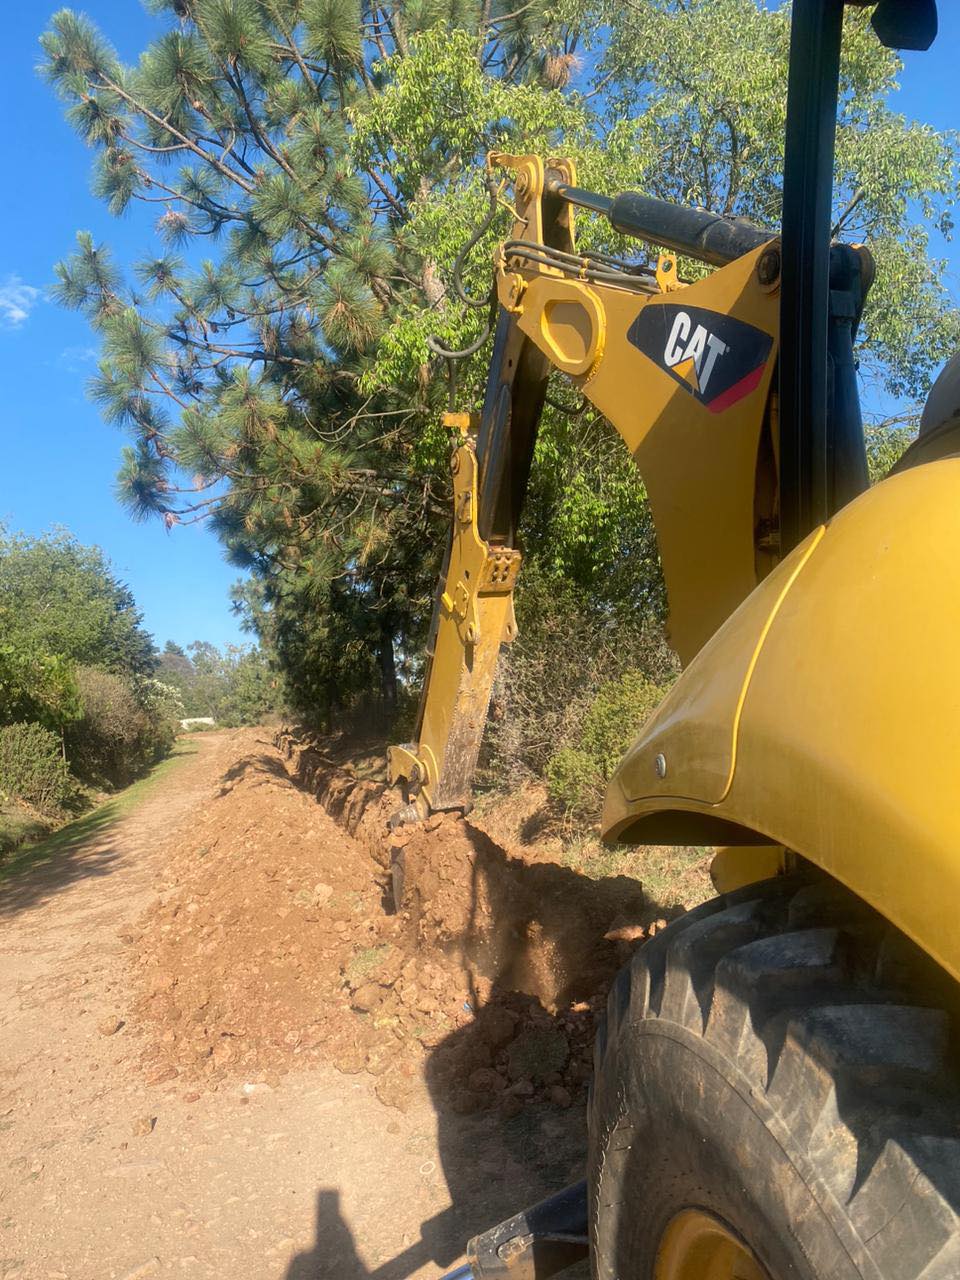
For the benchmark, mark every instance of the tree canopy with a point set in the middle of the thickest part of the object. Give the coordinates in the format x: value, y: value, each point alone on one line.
x: 316, y: 165
x: 236, y: 685
x: 76, y: 668
x: 61, y: 598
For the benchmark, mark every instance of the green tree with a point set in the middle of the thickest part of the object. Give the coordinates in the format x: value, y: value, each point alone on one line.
x: 317, y: 165
x: 63, y: 599
x: 173, y: 665
x: 37, y: 687
x: 237, y: 685
x: 242, y: 377
x: 76, y: 661
x: 699, y: 88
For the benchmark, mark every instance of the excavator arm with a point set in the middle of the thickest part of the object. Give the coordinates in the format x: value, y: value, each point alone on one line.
x: 683, y: 371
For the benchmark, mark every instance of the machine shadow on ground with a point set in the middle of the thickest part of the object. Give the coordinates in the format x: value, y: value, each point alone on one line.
x: 534, y: 917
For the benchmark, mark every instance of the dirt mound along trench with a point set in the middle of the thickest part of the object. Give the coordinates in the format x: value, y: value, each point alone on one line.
x: 504, y: 926
x: 274, y: 944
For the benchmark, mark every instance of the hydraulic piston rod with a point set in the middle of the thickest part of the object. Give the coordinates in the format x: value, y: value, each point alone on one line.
x: 710, y: 237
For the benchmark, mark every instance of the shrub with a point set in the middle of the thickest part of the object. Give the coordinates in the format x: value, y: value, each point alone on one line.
x: 126, y: 726
x: 577, y: 775
x: 32, y: 768
x: 616, y: 716
x: 569, y: 678
x: 573, y: 779
x: 102, y: 744
x: 163, y: 706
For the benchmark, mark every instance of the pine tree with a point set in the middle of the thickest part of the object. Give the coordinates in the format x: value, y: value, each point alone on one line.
x: 241, y: 375
x: 315, y: 165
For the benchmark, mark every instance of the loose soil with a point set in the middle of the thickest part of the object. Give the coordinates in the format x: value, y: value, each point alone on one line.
x: 246, y: 1030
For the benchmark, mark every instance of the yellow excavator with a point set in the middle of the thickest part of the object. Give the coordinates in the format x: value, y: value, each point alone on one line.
x: 776, y: 1093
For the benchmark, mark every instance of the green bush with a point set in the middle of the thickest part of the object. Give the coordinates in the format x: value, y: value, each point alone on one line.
x: 569, y: 679
x: 616, y: 716
x: 35, y: 687
x: 573, y: 779
x: 163, y: 707
x: 32, y: 768
x: 126, y: 726
x: 577, y: 774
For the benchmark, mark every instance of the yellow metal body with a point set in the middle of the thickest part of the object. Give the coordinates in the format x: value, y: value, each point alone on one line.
x: 825, y: 714
x: 698, y: 1246
x: 476, y: 617
x: 699, y: 463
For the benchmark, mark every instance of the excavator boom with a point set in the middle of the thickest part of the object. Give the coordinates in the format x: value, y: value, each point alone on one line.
x: 745, y: 443
x: 684, y: 372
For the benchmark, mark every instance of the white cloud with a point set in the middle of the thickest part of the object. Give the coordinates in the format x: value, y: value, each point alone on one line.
x: 17, y: 300
x: 74, y: 359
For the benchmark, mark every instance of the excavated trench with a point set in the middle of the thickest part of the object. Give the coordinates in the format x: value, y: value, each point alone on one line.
x: 523, y: 951
x: 509, y: 923
x: 276, y: 942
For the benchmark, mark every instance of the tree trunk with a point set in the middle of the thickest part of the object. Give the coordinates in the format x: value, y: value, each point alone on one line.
x: 388, y: 671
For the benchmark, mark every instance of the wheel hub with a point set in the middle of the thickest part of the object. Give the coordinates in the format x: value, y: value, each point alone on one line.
x: 697, y: 1246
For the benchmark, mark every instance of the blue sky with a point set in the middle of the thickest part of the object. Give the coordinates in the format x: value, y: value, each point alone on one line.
x: 58, y: 459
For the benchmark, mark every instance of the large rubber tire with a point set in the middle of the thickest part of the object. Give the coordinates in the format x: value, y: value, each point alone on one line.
x: 783, y: 1061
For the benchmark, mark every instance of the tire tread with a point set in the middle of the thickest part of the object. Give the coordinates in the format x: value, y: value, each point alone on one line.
x: 789, y: 981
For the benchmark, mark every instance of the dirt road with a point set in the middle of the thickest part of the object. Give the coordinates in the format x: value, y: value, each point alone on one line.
x: 115, y: 1165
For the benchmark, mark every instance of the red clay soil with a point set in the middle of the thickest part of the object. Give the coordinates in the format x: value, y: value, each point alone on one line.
x: 276, y: 943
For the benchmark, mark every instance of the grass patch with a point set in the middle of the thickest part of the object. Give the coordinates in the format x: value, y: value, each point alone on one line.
x: 96, y: 820
x: 364, y: 961
x: 18, y: 826
x: 671, y: 875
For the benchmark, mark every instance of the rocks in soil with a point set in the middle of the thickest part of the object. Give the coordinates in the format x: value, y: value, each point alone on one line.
x: 486, y: 1080
x: 464, y: 1102
x: 537, y: 1054
x: 396, y: 1087
x: 625, y: 932
x: 510, y: 1105
x: 162, y: 1074
x: 109, y: 1026
x: 272, y: 946
x: 162, y: 981
x: 366, y: 997
x: 522, y: 1089
x: 144, y: 1269
x: 143, y: 1126
x: 496, y: 1025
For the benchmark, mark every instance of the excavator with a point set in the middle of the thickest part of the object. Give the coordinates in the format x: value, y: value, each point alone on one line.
x: 776, y: 1093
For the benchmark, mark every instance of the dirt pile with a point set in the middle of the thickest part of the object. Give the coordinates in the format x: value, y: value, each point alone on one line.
x: 270, y: 918
x: 510, y: 920
x: 514, y: 924
x: 275, y: 942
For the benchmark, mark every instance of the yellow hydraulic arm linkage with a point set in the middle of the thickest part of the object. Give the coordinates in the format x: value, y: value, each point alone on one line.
x: 682, y: 371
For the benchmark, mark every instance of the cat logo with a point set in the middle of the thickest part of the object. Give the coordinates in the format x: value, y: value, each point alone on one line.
x: 718, y: 359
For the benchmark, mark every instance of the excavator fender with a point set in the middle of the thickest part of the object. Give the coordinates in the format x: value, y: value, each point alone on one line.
x: 824, y: 715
